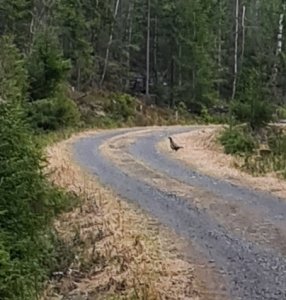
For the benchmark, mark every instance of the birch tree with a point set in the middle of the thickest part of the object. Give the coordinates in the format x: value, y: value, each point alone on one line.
x: 148, y: 47
x: 278, y: 47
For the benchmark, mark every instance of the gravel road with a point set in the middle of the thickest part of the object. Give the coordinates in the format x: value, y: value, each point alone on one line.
x: 239, y: 231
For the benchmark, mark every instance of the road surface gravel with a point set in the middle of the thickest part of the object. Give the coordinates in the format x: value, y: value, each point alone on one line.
x: 250, y: 268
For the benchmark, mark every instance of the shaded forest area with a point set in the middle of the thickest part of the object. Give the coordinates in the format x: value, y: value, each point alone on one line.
x: 193, y: 54
x: 71, y: 63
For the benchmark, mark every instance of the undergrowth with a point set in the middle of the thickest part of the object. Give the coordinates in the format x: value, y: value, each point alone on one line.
x: 237, y: 141
x: 271, y: 158
x: 262, y: 151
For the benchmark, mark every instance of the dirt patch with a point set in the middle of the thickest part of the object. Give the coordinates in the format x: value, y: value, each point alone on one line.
x: 202, y: 152
x: 119, y: 251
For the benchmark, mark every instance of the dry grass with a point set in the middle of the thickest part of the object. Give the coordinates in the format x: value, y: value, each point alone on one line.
x: 120, y: 253
x: 202, y: 152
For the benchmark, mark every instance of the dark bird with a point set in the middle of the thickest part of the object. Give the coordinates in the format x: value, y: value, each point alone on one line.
x: 173, y: 145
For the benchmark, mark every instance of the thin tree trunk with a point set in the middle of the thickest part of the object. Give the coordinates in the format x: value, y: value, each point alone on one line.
x: 235, y: 67
x: 194, y: 67
x: 172, y: 80
x: 257, y: 7
x: 243, y: 34
x: 194, y: 83
x: 130, y: 27
x: 180, y: 66
x: 219, y: 49
x: 156, y: 49
x: 280, y: 31
x: 278, y: 48
x: 148, y: 48
x: 242, y: 43
x: 109, y: 43
x: 78, y: 77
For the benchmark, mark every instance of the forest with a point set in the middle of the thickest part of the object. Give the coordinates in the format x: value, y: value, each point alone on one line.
x: 107, y: 63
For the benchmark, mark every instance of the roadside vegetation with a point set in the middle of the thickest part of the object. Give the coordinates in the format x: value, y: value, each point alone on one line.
x: 252, y: 135
x: 29, y: 248
x: 262, y: 152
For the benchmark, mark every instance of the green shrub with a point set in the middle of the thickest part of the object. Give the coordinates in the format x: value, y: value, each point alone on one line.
x: 237, y: 141
x: 46, y: 66
x: 182, y: 109
x: 277, y: 143
x: 54, y: 114
x: 12, y: 73
x: 206, y: 117
x: 27, y: 205
x: 121, y: 106
x: 252, y: 106
x: 256, y: 113
x: 281, y: 112
x: 271, y: 161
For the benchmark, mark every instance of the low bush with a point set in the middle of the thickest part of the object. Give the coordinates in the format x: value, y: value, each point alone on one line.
x: 256, y: 113
x: 54, y: 114
x: 264, y: 153
x: 237, y: 141
x: 277, y: 142
x: 281, y: 113
x: 121, y: 106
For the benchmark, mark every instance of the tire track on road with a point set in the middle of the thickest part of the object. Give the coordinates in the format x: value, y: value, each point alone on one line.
x: 238, y: 218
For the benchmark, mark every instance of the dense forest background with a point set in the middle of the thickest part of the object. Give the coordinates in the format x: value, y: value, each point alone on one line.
x: 70, y: 63
x: 192, y: 54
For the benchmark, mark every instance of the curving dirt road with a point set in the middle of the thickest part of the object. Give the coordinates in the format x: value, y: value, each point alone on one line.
x: 237, y: 236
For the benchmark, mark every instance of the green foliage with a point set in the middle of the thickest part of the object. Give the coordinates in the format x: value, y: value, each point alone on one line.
x: 27, y: 205
x: 182, y: 109
x: 277, y: 146
x: 46, y: 67
x: 13, y: 15
x: 27, y: 201
x: 78, y: 23
x: 191, y: 54
x: 206, y: 117
x: 277, y: 142
x: 54, y: 114
x: 281, y: 113
x: 237, y: 141
x: 256, y: 113
x: 274, y: 160
x: 12, y: 72
x: 121, y: 106
x: 252, y: 107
